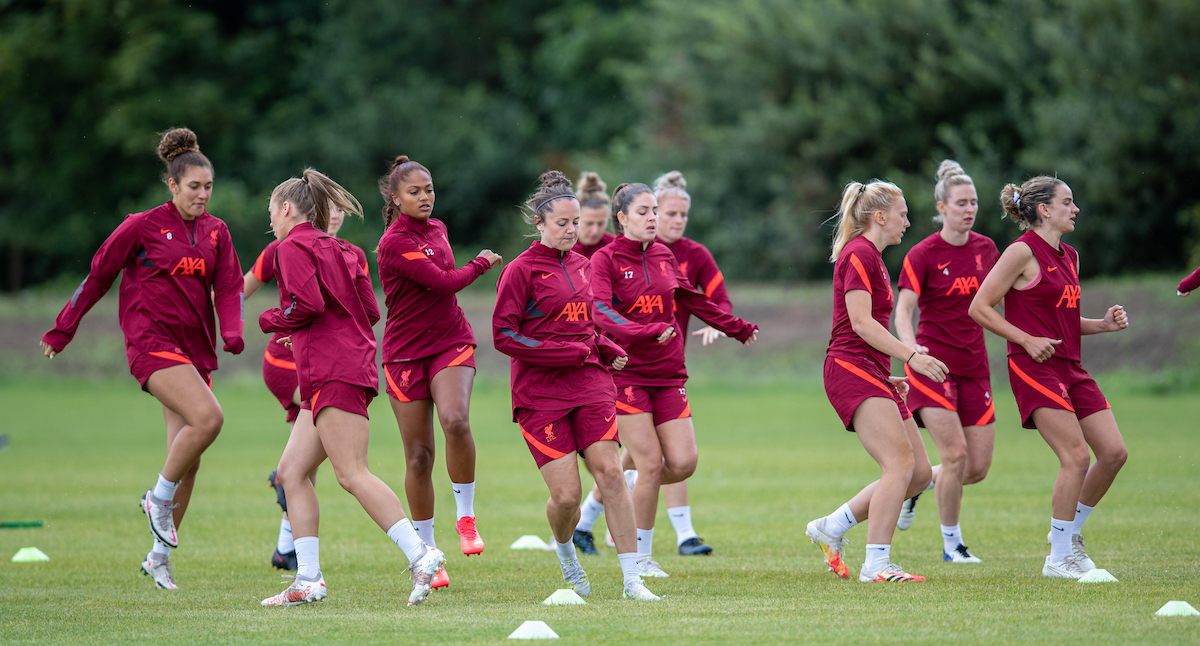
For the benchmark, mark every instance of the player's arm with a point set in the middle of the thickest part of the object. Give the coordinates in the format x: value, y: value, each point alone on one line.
x: 1189, y: 284
x: 713, y: 282
x: 364, y: 287
x: 228, y: 296
x: 1017, y: 268
x: 709, y: 312
x: 609, y: 320
x: 906, y: 304
x: 298, y: 271
x: 512, y: 294
x: 858, y: 306
x: 403, y: 257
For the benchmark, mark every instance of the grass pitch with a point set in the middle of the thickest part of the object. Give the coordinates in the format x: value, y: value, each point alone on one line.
x: 81, y: 453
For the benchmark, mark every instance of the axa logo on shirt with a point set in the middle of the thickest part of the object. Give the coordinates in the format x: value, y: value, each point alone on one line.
x: 964, y: 286
x: 188, y: 266
x: 1070, y: 295
x: 573, y: 312
x: 646, y: 304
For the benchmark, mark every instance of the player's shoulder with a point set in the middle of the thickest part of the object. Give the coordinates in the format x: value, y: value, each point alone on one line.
x: 979, y: 240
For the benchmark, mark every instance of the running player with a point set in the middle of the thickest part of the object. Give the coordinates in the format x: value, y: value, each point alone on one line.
x: 636, y: 285
x: 941, y: 275
x: 593, y: 215
x: 428, y: 348
x: 562, y: 395
x: 1038, y: 279
x: 178, y: 264
x: 279, y: 373
x: 327, y: 310
x: 871, y: 218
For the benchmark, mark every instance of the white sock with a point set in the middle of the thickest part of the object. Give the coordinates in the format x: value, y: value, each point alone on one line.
x: 1082, y: 512
x: 165, y: 489
x: 285, y: 544
x: 425, y: 531
x: 877, y: 557
x: 681, y: 520
x: 566, y: 552
x: 629, y: 566
x: 589, y: 511
x: 160, y: 549
x: 308, y: 557
x: 406, y: 538
x: 951, y: 537
x: 933, y: 478
x: 840, y: 521
x: 631, y: 476
x: 464, y: 499
x: 645, y: 543
x: 1060, y: 539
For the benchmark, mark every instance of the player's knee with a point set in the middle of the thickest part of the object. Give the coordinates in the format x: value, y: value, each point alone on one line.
x: 1114, y: 459
x: 975, y: 474
x: 1076, y: 459
x: 652, y: 472
x: 420, y: 461
x: 608, y: 476
x: 349, y: 479
x: 456, y: 425
x: 208, y: 422
x: 954, y: 459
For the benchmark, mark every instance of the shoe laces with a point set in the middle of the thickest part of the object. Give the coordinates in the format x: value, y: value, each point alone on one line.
x: 466, y: 528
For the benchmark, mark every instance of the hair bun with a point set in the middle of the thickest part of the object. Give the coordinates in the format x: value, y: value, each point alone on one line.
x: 176, y: 142
x: 553, y: 179
x: 590, y: 182
x: 400, y: 159
x: 949, y: 168
x: 673, y: 179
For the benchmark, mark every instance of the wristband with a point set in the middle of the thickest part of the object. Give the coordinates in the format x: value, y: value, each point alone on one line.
x: 911, y: 356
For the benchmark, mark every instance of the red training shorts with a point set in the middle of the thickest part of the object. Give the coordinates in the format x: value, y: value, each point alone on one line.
x: 148, y: 363
x: 1055, y: 383
x: 666, y: 403
x: 970, y: 397
x: 342, y: 396
x: 849, y: 383
x: 552, y: 434
x: 409, y: 380
x: 280, y: 377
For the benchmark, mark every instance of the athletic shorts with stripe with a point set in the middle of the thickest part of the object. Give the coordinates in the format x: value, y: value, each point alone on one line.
x: 148, y: 363
x: 280, y: 377
x: 666, y: 403
x: 342, y: 396
x: 552, y: 434
x: 970, y: 397
x: 1055, y: 383
x: 849, y: 383
x: 409, y: 380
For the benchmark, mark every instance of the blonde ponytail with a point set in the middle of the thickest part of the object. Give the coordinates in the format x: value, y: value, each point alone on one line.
x: 859, y: 202
x: 312, y: 194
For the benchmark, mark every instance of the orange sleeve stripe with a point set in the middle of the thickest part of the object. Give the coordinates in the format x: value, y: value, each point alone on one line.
x: 466, y: 354
x: 915, y: 383
x: 989, y: 415
x: 714, y: 284
x: 258, y: 266
x: 625, y: 408
x: 687, y: 412
x: 366, y: 270
x: 1038, y: 387
x: 387, y: 374
x: 171, y: 355
x: 859, y: 372
x: 414, y: 255
x: 862, y: 273
x: 549, y: 452
x: 278, y: 363
x: 611, y: 433
x: 912, y: 276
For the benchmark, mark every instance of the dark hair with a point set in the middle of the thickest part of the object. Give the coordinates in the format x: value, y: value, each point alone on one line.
x: 180, y: 151
x: 312, y: 196
x: 389, y: 185
x: 1020, y: 202
x: 618, y: 203
x: 554, y: 186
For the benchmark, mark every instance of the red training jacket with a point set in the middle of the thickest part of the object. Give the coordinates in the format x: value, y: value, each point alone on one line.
x: 330, y: 310
x: 634, y: 294
x: 543, y: 321
x: 1190, y: 283
x: 698, y: 264
x: 171, y: 270
x: 587, y: 251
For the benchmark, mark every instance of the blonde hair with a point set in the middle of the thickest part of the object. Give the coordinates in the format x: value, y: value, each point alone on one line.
x: 312, y: 194
x: 949, y: 174
x: 859, y: 202
x: 592, y: 190
x: 671, y: 184
x: 1020, y: 202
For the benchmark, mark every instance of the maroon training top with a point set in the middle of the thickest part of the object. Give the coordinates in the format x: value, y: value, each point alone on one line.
x: 945, y: 279
x: 589, y: 250
x: 416, y: 267
x: 171, y: 270
x: 860, y: 266
x: 635, y: 292
x: 1050, y: 306
x: 264, y: 270
x: 543, y: 321
x: 330, y: 308
x: 701, y: 269
x: 1190, y: 283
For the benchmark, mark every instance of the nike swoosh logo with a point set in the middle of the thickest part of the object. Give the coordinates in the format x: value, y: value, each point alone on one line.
x: 1051, y: 268
x: 609, y: 418
x: 545, y: 276
x: 948, y: 535
x: 943, y: 266
x: 460, y: 349
x: 164, y: 230
x: 457, y: 491
x: 677, y: 515
x: 627, y: 268
x: 1059, y: 529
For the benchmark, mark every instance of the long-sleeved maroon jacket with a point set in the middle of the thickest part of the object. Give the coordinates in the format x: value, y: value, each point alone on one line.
x: 1190, y: 283
x: 697, y: 263
x: 330, y: 310
x: 171, y: 270
x: 264, y: 270
x: 543, y: 321
x: 635, y: 292
x: 588, y: 251
x: 416, y: 267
